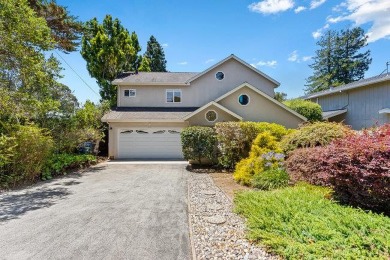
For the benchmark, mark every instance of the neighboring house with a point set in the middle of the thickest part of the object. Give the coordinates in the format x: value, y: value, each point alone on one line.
x: 153, y: 107
x: 360, y: 104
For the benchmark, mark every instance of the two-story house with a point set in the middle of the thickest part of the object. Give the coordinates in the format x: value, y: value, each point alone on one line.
x: 153, y: 107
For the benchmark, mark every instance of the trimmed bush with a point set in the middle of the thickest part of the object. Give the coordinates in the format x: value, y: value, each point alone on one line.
x: 273, y: 178
x: 312, y: 111
x: 314, y: 134
x: 199, y: 143
x: 357, y: 167
x: 235, y: 139
x: 256, y: 163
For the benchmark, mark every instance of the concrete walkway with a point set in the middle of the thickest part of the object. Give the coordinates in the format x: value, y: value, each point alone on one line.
x: 114, y: 211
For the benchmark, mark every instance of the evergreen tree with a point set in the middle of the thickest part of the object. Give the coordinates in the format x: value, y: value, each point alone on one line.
x: 109, y: 49
x: 280, y: 96
x: 338, y: 60
x: 155, y: 54
x: 145, y: 64
x: 65, y: 29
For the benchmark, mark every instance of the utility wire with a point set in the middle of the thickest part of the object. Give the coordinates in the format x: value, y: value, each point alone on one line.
x: 77, y: 74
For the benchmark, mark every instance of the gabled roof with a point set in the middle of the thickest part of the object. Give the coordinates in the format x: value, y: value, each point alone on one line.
x: 262, y: 94
x: 352, y: 85
x: 146, y: 78
x: 232, y: 56
x: 212, y: 103
x: 153, y: 114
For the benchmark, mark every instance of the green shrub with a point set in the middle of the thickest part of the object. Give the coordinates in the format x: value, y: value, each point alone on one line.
x: 235, y: 139
x: 313, y: 134
x: 60, y: 163
x: 199, y: 142
x: 273, y: 178
x: 255, y: 163
x: 7, y: 148
x: 312, y: 111
x: 32, y: 147
x: 301, y: 222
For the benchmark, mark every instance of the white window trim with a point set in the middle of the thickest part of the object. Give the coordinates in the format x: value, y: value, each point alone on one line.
x: 173, y: 101
x: 224, y: 75
x: 238, y: 99
x: 216, y: 115
x: 130, y: 89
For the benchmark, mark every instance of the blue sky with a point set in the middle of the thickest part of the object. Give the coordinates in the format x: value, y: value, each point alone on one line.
x: 276, y: 36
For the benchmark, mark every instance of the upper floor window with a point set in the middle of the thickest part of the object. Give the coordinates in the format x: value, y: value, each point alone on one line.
x: 243, y: 99
x: 129, y: 92
x: 219, y: 75
x: 173, y: 96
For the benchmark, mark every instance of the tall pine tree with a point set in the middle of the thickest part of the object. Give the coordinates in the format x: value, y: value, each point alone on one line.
x: 155, y: 54
x: 338, y: 61
x: 109, y: 49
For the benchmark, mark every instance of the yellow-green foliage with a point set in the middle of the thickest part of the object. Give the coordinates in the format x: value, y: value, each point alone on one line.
x: 313, y: 134
x: 254, y: 164
x: 235, y: 139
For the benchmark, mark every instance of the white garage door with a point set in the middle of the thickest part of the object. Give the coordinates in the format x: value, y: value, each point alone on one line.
x: 145, y: 143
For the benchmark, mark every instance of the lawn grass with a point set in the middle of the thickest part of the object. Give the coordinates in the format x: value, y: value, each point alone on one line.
x: 301, y: 222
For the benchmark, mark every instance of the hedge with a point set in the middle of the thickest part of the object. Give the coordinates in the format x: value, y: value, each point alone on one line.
x: 312, y: 111
x: 199, y: 143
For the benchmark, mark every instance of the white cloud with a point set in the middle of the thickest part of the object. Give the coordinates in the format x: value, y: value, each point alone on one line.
x: 299, y: 9
x: 183, y: 63
x: 271, y: 6
x: 316, y: 3
x: 209, y: 60
x: 293, y: 56
x: 373, y: 12
x: 271, y: 63
x: 317, y: 34
x: 165, y: 45
x: 253, y: 65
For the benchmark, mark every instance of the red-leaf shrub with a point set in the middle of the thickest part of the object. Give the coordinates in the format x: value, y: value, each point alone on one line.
x: 357, y: 166
x: 310, y: 165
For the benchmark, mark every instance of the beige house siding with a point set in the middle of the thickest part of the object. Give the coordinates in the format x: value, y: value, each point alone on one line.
x: 260, y: 109
x: 114, y: 128
x: 200, y: 118
x: 201, y: 91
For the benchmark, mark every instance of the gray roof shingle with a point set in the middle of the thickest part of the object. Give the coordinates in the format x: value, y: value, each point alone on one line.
x: 154, y: 77
x: 148, y: 113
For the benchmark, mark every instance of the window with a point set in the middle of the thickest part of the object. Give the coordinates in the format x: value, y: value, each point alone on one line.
x: 243, y: 99
x: 173, y: 96
x: 211, y: 116
x: 219, y: 75
x: 130, y: 92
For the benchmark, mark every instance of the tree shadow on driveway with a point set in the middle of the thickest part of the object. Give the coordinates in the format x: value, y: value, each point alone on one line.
x: 14, y: 205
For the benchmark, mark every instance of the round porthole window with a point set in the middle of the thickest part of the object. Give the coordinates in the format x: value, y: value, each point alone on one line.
x: 219, y: 75
x: 211, y: 116
x: 243, y: 99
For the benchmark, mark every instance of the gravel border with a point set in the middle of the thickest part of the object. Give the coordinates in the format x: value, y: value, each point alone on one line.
x: 217, y: 232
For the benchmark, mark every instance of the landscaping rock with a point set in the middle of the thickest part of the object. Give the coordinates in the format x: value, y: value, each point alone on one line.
x: 216, y: 220
x: 217, y: 233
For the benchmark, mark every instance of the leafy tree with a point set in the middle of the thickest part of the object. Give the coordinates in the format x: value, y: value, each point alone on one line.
x: 338, y: 61
x: 65, y: 29
x: 145, y: 64
x: 280, y: 96
x: 155, y: 53
x: 312, y: 111
x: 109, y: 49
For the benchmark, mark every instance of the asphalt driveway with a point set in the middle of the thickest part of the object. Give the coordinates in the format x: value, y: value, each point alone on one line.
x: 114, y: 211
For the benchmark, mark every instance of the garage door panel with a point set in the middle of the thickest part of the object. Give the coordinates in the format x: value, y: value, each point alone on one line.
x: 149, y: 143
